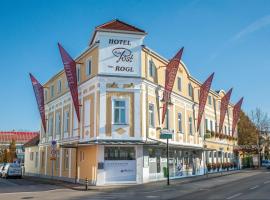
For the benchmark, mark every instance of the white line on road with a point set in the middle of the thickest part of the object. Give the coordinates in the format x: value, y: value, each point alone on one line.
x: 252, y: 188
x: 233, y: 196
x: 152, y: 197
x: 266, y: 182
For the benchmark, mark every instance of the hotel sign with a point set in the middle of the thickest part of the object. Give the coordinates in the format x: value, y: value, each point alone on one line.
x: 120, y: 54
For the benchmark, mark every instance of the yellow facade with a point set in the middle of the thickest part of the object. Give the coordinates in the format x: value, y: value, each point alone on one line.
x: 81, y: 145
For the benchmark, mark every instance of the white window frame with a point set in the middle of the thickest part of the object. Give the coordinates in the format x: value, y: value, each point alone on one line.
x: 151, y: 115
x: 52, y: 91
x: 209, y: 100
x: 57, y: 123
x: 179, y: 83
x: 78, y: 73
x: 151, y: 68
x: 50, y: 125
x: 126, y: 110
x: 190, y: 126
x: 88, y: 70
x: 180, y: 122
x: 66, y: 121
x: 59, y: 86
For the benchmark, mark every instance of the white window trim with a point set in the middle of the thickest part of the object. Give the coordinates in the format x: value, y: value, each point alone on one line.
x: 78, y: 68
x: 59, y: 89
x: 126, y: 99
x: 154, y: 119
x: 87, y: 67
x: 181, y: 80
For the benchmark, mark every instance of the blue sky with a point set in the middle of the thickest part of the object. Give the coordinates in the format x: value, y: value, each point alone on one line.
x: 229, y: 37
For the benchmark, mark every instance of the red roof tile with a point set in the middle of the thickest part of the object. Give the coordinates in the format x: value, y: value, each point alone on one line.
x: 119, y: 25
x: 19, y: 137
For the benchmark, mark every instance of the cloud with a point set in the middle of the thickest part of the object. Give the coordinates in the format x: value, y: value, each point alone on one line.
x: 251, y: 28
x: 255, y: 26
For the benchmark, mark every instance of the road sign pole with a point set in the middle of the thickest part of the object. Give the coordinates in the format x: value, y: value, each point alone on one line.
x: 168, y: 171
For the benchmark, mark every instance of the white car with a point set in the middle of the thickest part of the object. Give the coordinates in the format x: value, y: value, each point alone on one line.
x: 12, y: 170
x: 1, y: 168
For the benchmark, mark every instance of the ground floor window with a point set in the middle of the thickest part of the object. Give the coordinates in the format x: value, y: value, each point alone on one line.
x: 119, y: 153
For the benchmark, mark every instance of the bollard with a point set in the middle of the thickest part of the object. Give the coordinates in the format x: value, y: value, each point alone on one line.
x: 86, y: 183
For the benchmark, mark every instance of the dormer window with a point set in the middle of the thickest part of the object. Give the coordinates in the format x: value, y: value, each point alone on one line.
x: 179, y: 83
x: 52, y: 91
x: 59, y: 86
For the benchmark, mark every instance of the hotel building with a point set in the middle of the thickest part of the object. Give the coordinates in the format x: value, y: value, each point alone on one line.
x: 120, y: 85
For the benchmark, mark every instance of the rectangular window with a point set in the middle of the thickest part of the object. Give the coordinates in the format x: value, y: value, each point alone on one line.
x: 78, y: 72
x: 190, y: 125
x: 59, y: 86
x: 46, y: 94
x: 206, y: 124
x: 119, y: 153
x: 190, y: 90
x: 57, y: 123
x: 179, y: 120
x: 119, y: 111
x: 66, y: 159
x: 225, y: 130
x: 209, y: 100
x: 89, y: 67
x: 50, y: 125
x: 52, y: 91
x: 36, y: 160
x: 32, y: 156
x: 66, y: 121
x: 211, y: 125
x: 151, y: 68
x: 151, y: 115
x: 179, y: 83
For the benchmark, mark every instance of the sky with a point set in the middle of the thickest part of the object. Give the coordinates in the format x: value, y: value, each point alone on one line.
x: 228, y: 37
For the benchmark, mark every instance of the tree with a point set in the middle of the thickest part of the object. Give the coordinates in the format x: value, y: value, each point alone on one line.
x: 247, y: 131
x: 262, y: 123
x: 12, y: 151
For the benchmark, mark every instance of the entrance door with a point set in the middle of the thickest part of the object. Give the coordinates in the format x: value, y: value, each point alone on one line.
x: 120, y: 164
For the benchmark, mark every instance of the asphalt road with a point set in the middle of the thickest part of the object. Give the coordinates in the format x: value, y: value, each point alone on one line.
x: 243, y: 185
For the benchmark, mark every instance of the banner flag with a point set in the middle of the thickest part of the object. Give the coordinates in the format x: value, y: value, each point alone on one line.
x: 223, y: 108
x: 39, y: 93
x: 236, y: 114
x: 70, y: 69
x: 171, y: 71
x: 204, y: 91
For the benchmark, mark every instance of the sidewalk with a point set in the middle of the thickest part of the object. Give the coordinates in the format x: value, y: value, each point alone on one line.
x: 81, y: 187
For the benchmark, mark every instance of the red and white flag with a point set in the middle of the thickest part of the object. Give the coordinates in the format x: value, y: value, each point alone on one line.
x: 39, y: 93
x: 223, y: 108
x: 204, y: 91
x: 70, y: 69
x: 236, y: 114
x: 171, y: 71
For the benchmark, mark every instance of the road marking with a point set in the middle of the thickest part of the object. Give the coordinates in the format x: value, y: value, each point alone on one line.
x: 252, y: 188
x: 233, y: 196
x: 152, y: 197
x: 266, y: 182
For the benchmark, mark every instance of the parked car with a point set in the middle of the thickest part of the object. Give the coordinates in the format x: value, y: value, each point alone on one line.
x: 265, y: 163
x: 12, y: 170
x: 1, y: 168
